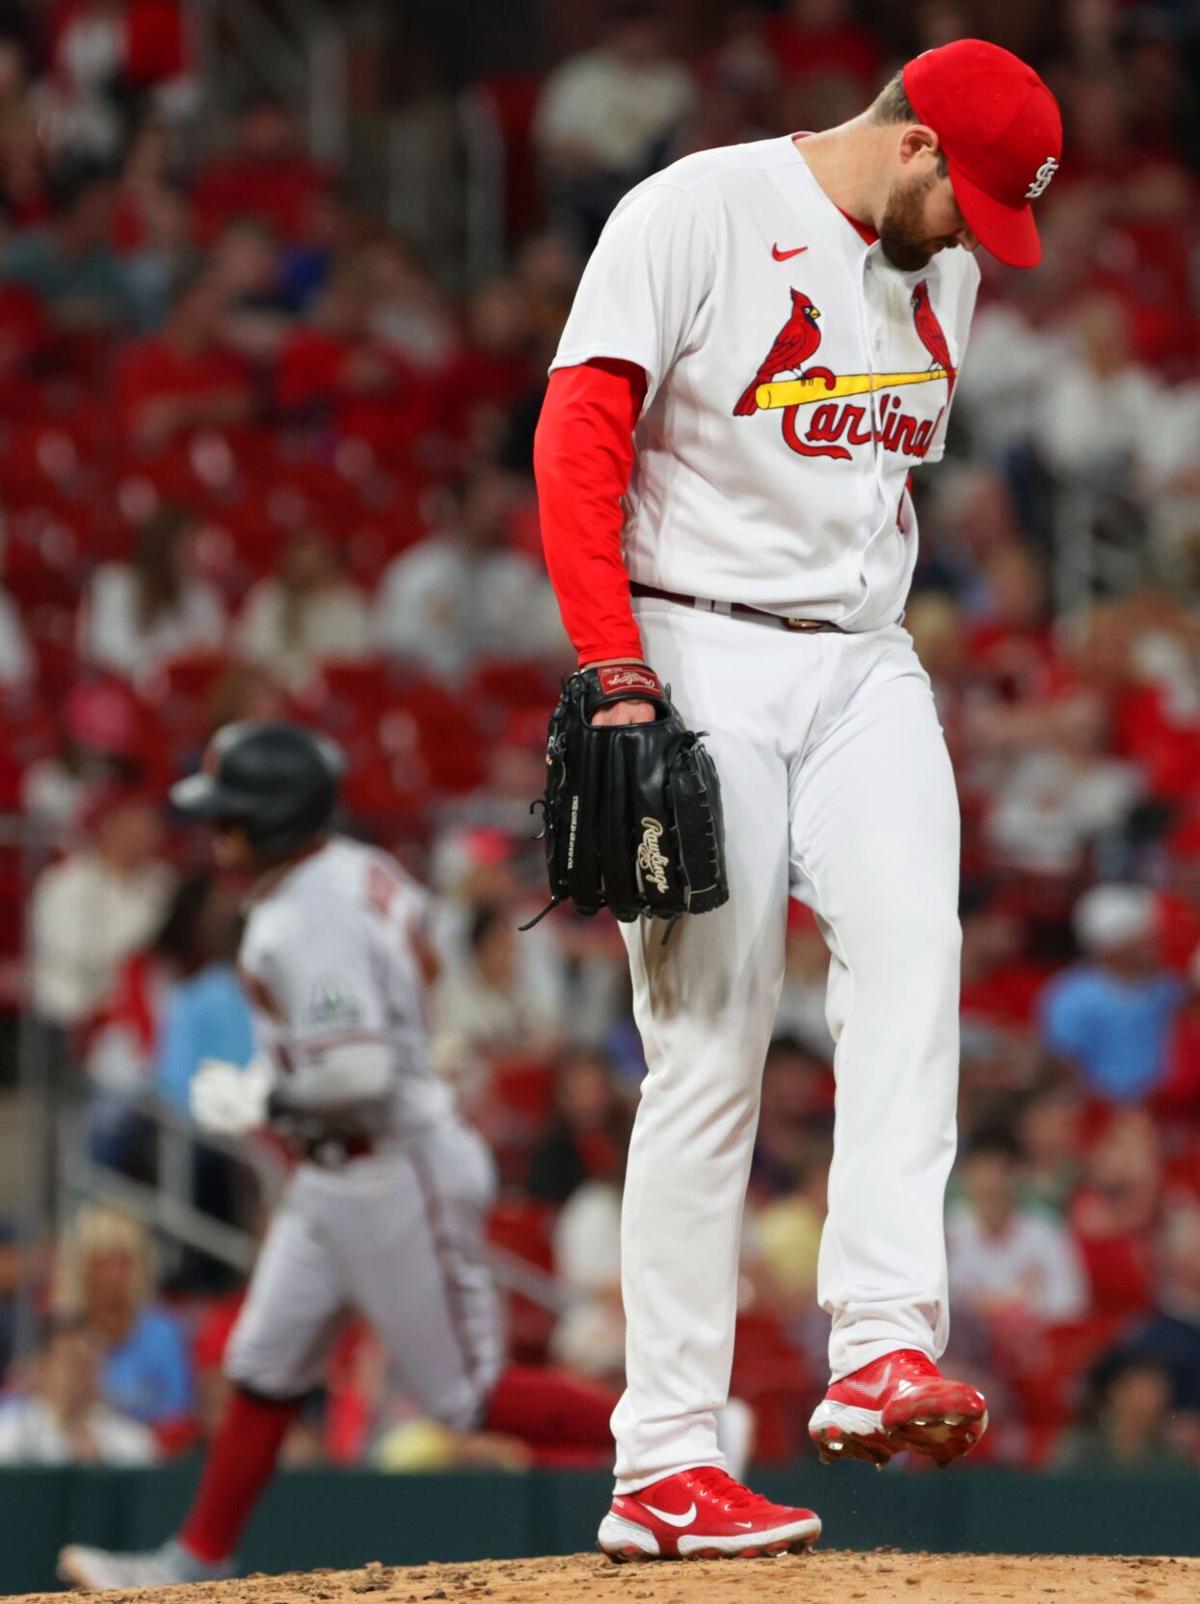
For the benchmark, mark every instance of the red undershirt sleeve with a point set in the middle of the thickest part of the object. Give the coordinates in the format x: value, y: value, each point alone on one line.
x: 582, y: 460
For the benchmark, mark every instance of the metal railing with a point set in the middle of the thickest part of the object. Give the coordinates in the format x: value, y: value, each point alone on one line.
x: 168, y: 1208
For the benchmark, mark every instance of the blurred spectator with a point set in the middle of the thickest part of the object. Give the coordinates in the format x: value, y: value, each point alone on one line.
x: 184, y: 378
x: 267, y: 175
x: 1010, y: 642
x: 589, y: 1337
x: 332, y: 230
x: 606, y: 116
x: 797, y: 1103
x: 96, y: 906
x: 63, y: 1420
x: 493, y: 370
x: 589, y: 1133
x: 1099, y: 406
x: 140, y: 614
x: 106, y: 1280
x: 154, y: 226
x: 1001, y: 982
x: 335, y: 373
x: 243, y: 269
x: 100, y: 740
x: 489, y: 1002
x: 125, y: 1052
x: 162, y: 256
x: 1129, y: 1426
x: 786, y: 1231
x: 23, y: 199
x: 70, y: 262
x: 206, y: 1014
x: 1110, y: 1016
x: 1008, y: 1259
x: 462, y: 595
x: 111, y: 60
x: 1115, y: 1210
x: 409, y: 313
x: 1172, y: 1334
x: 1062, y: 793
x: 1050, y: 1133
x: 309, y: 612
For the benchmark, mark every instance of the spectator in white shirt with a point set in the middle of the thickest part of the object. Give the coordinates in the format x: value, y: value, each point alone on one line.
x: 96, y: 906
x: 606, y: 116
x: 62, y: 1420
x: 463, y: 595
x: 1098, y: 405
x: 492, y: 1002
x: 138, y: 615
x: 1062, y: 793
x: 1008, y: 1259
x: 306, y: 614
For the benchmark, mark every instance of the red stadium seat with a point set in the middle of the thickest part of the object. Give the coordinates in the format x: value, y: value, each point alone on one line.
x: 770, y: 1374
x: 524, y: 1227
x: 189, y: 680
x: 516, y: 686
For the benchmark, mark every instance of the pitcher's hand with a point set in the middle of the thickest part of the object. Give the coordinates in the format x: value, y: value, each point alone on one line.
x: 624, y: 713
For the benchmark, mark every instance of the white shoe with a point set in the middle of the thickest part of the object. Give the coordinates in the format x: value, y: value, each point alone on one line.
x: 96, y: 1570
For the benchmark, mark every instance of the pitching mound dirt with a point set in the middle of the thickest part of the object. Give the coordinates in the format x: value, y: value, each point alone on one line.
x: 826, y: 1577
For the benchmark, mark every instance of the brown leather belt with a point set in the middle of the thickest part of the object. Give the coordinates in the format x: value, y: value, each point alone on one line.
x: 801, y: 626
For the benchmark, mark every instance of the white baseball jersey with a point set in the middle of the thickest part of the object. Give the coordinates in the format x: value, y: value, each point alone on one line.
x: 794, y: 379
x: 397, y: 1234
x: 329, y: 959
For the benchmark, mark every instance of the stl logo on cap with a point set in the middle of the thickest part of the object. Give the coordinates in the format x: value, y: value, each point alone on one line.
x: 1042, y: 178
x: 995, y: 120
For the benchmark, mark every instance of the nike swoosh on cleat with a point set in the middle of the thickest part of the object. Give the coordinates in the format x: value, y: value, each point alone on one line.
x: 786, y: 256
x: 685, y: 1519
x: 746, y: 1525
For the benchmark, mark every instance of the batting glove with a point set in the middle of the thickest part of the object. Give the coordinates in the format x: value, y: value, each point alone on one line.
x: 230, y: 1101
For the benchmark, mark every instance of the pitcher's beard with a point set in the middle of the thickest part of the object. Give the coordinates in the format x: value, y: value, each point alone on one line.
x: 901, y: 233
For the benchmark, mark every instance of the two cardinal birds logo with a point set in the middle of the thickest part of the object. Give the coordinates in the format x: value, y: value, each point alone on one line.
x: 797, y: 343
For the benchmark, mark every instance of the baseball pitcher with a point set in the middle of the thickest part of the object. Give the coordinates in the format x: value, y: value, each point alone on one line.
x: 763, y: 348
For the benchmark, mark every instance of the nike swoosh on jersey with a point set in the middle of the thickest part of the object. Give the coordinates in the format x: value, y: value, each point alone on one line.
x: 786, y: 256
x: 685, y: 1519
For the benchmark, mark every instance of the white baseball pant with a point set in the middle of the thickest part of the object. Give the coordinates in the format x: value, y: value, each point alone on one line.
x: 837, y: 788
x: 397, y: 1237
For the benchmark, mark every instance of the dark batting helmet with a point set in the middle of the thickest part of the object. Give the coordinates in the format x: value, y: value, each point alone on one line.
x: 278, y: 781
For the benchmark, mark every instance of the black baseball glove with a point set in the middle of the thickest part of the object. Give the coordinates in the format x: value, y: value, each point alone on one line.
x: 632, y: 812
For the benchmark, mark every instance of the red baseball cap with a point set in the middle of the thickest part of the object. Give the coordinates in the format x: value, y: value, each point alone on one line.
x: 1001, y: 131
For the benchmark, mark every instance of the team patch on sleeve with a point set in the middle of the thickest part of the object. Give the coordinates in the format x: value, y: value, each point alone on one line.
x: 333, y: 1003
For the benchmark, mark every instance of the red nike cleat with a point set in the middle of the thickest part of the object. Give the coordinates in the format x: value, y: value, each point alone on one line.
x: 703, y: 1514
x: 901, y: 1401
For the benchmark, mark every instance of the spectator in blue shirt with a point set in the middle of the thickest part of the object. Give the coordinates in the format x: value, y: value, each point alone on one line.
x: 206, y: 1013
x: 106, y: 1279
x: 1110, y: 1015
x: 70, y: 263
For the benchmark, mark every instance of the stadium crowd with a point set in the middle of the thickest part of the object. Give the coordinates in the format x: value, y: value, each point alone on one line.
x: 257, y: 461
